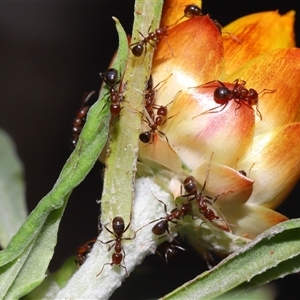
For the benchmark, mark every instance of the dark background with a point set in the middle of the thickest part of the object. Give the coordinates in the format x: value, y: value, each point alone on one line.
x: 50, y: 54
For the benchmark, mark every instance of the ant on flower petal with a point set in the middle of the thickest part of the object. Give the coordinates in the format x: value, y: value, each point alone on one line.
x: 160, y: 119
x: 239, y: 94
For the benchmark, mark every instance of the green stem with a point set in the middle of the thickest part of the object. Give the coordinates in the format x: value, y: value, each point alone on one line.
x: 118, y: 195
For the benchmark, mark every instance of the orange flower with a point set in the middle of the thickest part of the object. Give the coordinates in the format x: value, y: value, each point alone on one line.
x: 259, y: 137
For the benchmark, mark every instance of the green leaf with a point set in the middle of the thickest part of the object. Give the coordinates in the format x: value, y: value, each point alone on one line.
x: 53, y: 282
x: 12, y: 190
x: 15, y: 261
x: 273, y: 254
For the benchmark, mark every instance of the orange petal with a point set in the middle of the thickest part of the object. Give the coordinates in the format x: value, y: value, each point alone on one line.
x: 174, y: 10
x: 191, y: 65
x: 277, y: 165
x: 277, y: 70
x: 232, y: 186
x: 227, y: 133
x: 250, y: 220
x: 258, y: 33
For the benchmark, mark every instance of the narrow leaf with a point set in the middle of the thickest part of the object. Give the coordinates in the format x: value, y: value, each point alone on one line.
x: 12, y: 191
x: 271, y: 255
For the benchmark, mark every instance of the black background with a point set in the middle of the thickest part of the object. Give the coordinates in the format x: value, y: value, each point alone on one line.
x: 50, y: 54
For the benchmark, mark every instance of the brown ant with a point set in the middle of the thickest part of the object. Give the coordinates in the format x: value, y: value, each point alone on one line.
x: 169, y: 250
x: 150, y: 96
x: 80, y: 118
x: 190, y: 187
x: 119, y: 229
x: 192, y: 11
x: 138, y: 48
x: 160, y: 119
x: 177, y: 213
x: 243, y: 172
x: 82, y: 252
x: 110, y: 77
x: 240, y: 95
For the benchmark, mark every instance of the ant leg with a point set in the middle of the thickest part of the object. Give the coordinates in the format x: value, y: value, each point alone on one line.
x: 103, y: 268
x: 212, y: 110
x: 124, y: 269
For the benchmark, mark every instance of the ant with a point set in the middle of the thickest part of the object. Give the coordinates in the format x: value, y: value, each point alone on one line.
x: 243, y: 172
x: 192, y: 11
x: 190, y: 187
x: 177, y: 213
x: 150, y: 95
x: 169, y: 250
x: 110, y: 77
x: 138, y: 48
x: 80, y: 118
x: 160, y: 119
x: 241, y: 96
x: 82, y: 252
x: 119, y: 229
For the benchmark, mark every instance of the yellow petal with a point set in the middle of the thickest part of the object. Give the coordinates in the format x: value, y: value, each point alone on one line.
x: 277, y: 70
x: 250, y: 220
x: 174, y: 10
x: 288, y: 21
x: 258, y: 33
x: 193, y: 62
x: 276, y: 165
x: 227, y: 133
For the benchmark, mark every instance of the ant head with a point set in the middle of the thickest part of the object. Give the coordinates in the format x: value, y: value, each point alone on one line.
x: 253, y: 96
x: 192, y: 10
x: 221, y: 95
x: 118, y: 225
x: 243, y: 172
x: 110, y: 76
x: 189, y: 185
x: 145, y: 137
x: 150, y: 83
x: 137, y: 50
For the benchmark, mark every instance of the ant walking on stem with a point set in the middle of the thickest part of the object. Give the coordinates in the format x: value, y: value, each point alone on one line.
x: 240, y: 95
x: 155, y: 36
x: 110, y: 77
x: 83, y: 251
x: 80, y: 118
x: 118, y: 229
